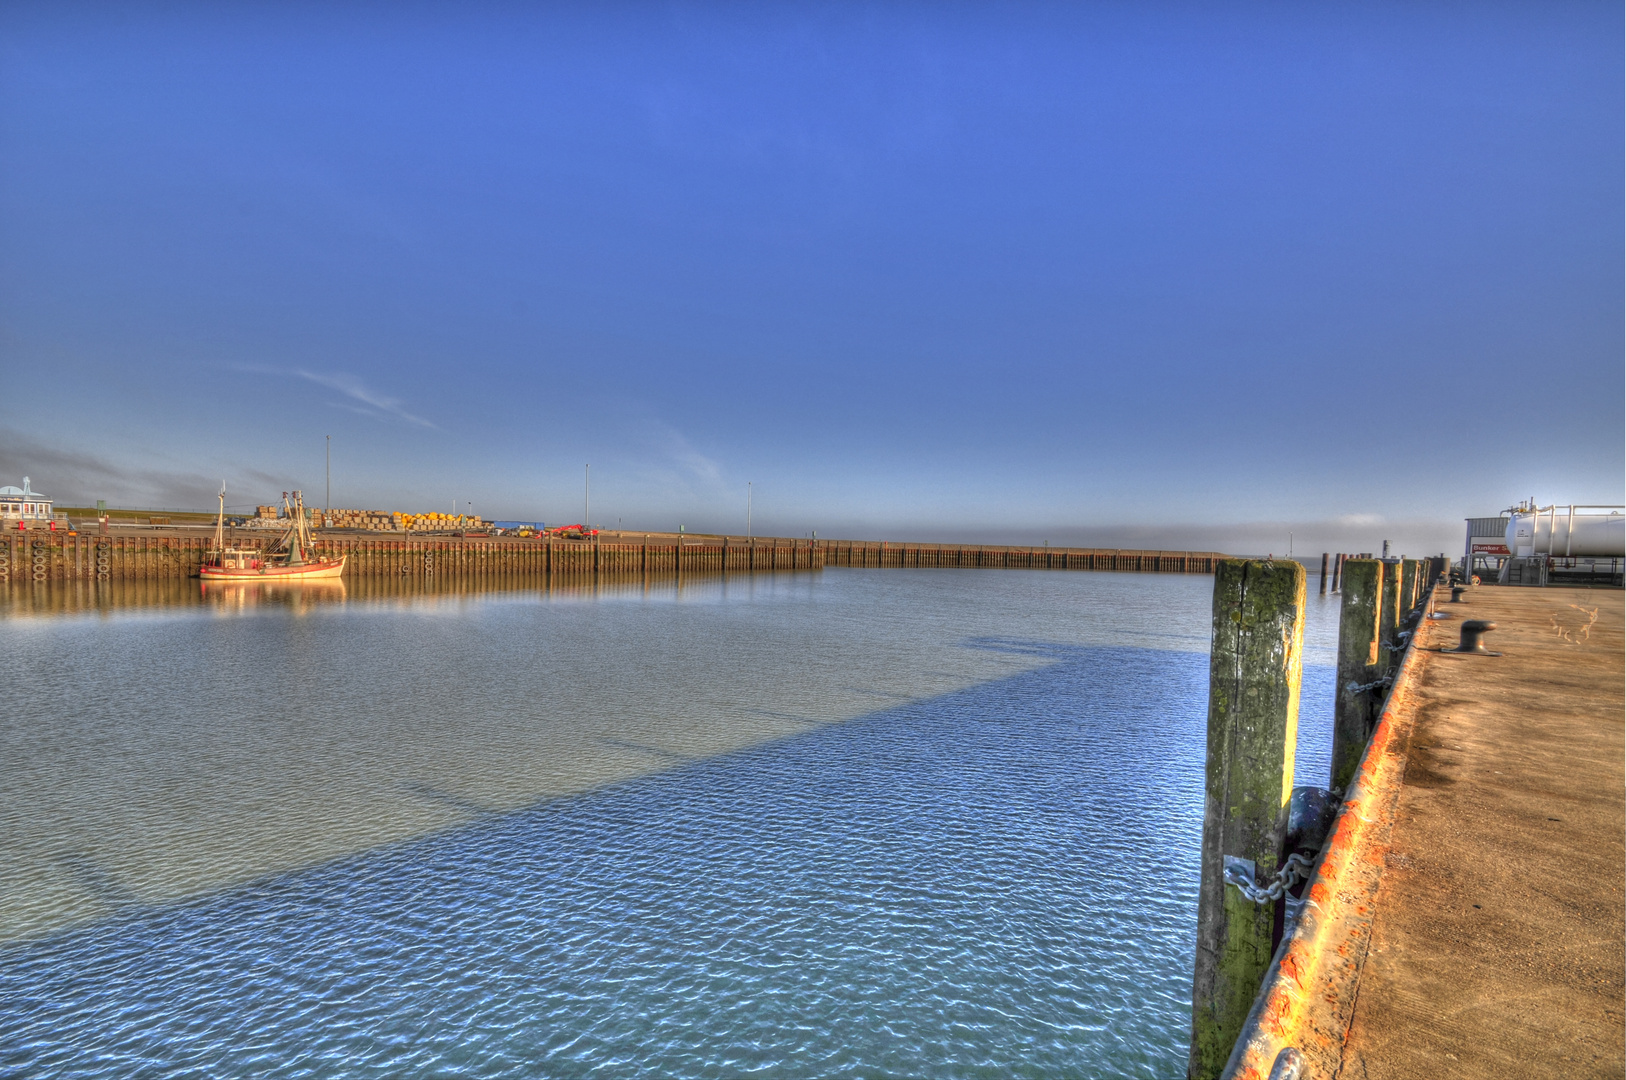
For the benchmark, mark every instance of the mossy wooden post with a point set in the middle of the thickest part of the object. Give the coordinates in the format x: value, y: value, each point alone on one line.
x: 1253, y: 712
x: 1390, y: 608
x: 1408, y: 586
x: 1356, y: 702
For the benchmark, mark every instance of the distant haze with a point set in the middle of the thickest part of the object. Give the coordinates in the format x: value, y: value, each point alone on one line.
x: 1169, y: 276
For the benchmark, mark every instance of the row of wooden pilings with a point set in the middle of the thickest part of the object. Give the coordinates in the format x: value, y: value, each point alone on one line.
x: 885, y: 553
x: 1253, y: 717
x: 1332, y: 570
x: 62, y: 555
x: 42, y: 555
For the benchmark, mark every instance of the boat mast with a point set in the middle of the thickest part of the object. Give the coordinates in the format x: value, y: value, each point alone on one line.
x: 220, y: 522
x: 296, y: 556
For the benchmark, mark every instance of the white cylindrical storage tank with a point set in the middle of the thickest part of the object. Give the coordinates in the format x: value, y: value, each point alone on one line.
x: 1558, y: 532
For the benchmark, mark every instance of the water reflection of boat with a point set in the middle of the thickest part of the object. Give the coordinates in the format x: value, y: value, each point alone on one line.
x: 290, y: 560
x: 238, y: 594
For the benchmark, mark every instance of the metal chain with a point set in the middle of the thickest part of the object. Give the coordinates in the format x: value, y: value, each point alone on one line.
x: 1293, y: 871
x: 1361, y: 688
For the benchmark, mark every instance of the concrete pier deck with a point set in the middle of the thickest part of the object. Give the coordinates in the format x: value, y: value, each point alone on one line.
x: 1499, y: 940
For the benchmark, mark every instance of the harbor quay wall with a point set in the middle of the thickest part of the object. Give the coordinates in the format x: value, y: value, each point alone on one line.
x: 158, y: 553
x: 882, y: 553
x: 39, y: 555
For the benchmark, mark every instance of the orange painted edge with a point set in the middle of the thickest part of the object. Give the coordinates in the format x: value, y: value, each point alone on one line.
x: 1311, y: 974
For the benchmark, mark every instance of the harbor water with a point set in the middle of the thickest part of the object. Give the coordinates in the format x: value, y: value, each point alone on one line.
x: 843, y: 823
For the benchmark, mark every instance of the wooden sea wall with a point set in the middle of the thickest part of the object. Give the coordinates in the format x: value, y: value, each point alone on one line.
x: 155, y: 554
x: 152, y: 555
x: 884, y: 553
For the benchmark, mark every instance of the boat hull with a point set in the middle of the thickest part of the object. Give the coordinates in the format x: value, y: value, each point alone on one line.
x: 317, y: 571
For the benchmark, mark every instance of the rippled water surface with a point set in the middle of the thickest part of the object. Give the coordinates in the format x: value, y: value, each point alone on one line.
x: 857, y: 822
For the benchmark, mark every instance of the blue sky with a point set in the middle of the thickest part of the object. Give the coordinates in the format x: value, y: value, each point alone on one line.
x: 1181, y: 275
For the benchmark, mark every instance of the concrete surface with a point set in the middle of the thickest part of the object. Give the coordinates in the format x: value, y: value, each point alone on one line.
x: 1499, y: 945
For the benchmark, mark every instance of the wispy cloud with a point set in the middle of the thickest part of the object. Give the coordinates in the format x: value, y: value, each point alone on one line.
x: 372, y: 402
x: 678, y: 449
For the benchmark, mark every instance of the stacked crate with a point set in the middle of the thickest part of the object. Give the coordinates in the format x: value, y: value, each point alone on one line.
x: 385, y: 521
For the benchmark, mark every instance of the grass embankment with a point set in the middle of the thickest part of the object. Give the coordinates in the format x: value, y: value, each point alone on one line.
x: 143, y: 517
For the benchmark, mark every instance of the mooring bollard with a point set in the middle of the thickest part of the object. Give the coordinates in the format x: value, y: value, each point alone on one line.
x: 1358, y: 696
x: 1472, y: 640
x: 1253, y: 707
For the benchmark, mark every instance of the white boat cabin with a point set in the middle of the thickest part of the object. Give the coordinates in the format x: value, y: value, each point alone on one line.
x: 239, y: 559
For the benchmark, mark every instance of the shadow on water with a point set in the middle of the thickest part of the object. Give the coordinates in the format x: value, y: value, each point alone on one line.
x: 996, y: 880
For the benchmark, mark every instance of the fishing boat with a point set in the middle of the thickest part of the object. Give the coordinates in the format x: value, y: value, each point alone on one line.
x: 291, y: 559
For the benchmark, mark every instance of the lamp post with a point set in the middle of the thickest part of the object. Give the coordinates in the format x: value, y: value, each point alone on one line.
x: 329, y: 439
x: 748, y: 509
x: 587, y: 496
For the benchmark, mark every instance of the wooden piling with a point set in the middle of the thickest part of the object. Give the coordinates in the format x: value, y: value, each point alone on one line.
x: 1338, y: 573
x: 1323, y: 573
x: 1389, y: 615
x: 1357, y: 702
x: 1253, y: 705
x: 1409, y: 580
x: 1437, y: 565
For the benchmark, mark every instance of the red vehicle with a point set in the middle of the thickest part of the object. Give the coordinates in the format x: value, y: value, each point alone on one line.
x: 573, y: 532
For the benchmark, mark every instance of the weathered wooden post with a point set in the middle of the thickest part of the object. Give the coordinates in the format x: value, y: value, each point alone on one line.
x: 1358, y: 696
x: 1389, y: 611
x: 1253, y: 708
x: 1323, y: 573
x: 1436, y: 566
x: 1338, y: 573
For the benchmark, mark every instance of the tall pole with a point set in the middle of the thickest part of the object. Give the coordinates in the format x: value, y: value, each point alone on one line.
x: 748, y: 509
x: 220, y: 522
x: 587, y: 497
x: 329, y: 439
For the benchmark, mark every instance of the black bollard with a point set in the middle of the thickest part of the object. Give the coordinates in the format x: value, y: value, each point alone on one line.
x: 1473, y: 631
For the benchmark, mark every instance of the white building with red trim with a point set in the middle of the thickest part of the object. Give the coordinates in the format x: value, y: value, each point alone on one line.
x: 23, y: 504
